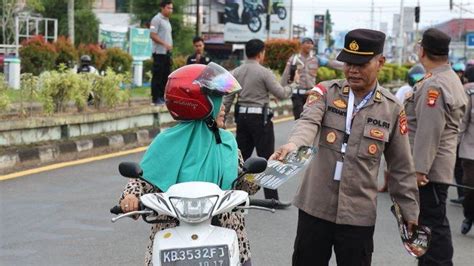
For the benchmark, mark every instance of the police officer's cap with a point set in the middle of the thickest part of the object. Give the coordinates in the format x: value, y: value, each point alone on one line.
x: 361, y: 45
x: 86, y: 58
x: 435, y: 42
x: 307, y: 39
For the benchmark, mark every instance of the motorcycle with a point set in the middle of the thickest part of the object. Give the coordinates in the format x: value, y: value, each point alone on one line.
x: 250, y: 15
x: 278, y: 8
x: 195, y: 241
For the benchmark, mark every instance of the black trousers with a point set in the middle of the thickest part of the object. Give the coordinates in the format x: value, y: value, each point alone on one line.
x: 161, y: 70
x: 316, y: 237
x: 468, y: 180
x: 252, y: 133
x: 458, y: 174
x: 433, y: 214
x: 298, y: 102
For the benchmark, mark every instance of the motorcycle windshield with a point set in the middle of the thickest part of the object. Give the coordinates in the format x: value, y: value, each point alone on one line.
x: 217, y: 80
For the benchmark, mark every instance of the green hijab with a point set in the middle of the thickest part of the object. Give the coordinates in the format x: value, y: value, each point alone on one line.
x: 189, y: 152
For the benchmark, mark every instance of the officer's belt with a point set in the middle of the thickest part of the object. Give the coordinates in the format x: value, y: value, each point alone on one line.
x: 250, y: 110
x: 300, y: 91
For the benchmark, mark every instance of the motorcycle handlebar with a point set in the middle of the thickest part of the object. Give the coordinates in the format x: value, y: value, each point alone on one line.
x: 116, y: 210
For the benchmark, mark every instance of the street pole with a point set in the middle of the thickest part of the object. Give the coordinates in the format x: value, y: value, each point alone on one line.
x: 70, y: 19
x: 400, y: 36
x: 269, y: 18
x: 417, y: 33
x: 198, y: 18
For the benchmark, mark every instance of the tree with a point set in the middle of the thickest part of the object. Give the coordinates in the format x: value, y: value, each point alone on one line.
x: 144, y: 10
x: 9, y: 9
x: 328, y: 30
x: 86, y: 22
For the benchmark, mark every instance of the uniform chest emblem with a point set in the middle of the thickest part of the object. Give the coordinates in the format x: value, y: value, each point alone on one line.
x: 377, y: 133
x: 331, y: 137
x: 373, y: 149
x: 340, y: 103
x: 402, y: 118
x: 432, y: 97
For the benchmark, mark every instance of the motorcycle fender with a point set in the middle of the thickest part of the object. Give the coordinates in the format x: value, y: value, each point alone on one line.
x: 191, y: 236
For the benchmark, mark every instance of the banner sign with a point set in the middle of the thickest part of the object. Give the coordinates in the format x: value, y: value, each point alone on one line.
x: 113, y: 38
x: 250, y: 19
x: 140, y: 43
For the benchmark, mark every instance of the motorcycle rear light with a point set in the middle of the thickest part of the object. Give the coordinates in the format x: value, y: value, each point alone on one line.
x: 194, y: 210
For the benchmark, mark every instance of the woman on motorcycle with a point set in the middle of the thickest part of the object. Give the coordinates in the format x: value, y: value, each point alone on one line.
x: 196, y: 149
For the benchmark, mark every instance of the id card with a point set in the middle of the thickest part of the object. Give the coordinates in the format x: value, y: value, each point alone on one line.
x: 338, y: 171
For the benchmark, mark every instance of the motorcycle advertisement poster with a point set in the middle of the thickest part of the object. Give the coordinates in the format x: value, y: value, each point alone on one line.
x: 247, y: 19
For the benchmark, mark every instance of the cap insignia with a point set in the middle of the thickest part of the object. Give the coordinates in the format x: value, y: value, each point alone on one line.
x: 354, y: 46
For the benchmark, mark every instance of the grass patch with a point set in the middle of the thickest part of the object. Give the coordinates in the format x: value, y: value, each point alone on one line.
x: 141, y: 92
x: 14, y: 95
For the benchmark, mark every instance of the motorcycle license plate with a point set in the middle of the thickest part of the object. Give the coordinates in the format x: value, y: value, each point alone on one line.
x: 200, y: 256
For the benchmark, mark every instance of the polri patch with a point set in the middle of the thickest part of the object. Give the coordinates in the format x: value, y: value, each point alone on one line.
x: 432, y: 97
x: 402, y: 121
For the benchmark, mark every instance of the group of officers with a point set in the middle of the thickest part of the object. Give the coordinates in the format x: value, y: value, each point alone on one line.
x: 354, y: 121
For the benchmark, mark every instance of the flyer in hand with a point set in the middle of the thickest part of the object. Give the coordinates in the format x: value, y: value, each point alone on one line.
x: 278, y: 172
x: 415, y: 243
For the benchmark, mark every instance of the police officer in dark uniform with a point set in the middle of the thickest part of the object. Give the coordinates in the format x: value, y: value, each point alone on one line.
x: 252, y: 111
x: 199, y: 56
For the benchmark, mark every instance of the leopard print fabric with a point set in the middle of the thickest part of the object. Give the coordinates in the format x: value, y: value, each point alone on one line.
x: 235, y: 221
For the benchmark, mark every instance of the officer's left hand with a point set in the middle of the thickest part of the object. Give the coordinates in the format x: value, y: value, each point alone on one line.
x: 421, y: 179
x: 281, y: 152
x: 411, y: 225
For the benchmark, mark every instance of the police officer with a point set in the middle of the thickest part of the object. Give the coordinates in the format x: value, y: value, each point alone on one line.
x: 434, y: 112
x: 306, y: 65
x: 466, y: 152
x: 252, y: 111
x: 199, y: 56
x: 353, y: 121
x: 87, y: 67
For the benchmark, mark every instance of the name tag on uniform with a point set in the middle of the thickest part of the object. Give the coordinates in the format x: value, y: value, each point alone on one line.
x: 338, y: 171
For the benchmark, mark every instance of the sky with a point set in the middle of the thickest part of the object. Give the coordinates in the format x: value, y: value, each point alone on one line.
x: 351, y: 14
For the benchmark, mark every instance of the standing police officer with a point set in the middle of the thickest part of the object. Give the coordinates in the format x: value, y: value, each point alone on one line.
x: 353, y: 121
x: 252, y: 111
x: 434, y: 113
x: 305, y: 65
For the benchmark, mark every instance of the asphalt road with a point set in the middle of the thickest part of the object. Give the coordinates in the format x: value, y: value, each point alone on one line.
x: 61, y: 217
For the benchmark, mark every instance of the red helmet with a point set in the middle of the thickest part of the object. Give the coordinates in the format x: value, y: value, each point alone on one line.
x: 186, y: 93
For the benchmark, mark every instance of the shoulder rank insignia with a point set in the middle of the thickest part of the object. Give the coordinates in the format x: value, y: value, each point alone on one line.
x: 345, y: 90
x: 402, y: 121
x: 378, y: 95
x: 432, y: 97
x: 340, y: 103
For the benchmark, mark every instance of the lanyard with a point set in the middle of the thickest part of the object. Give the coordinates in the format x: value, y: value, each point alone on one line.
x: 351, y: 112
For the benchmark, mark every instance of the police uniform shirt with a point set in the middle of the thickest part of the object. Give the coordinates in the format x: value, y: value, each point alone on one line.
x: 307, y: 72
x: 378, y: 128
x: 203, y: 60
x: 434, y: 112
x: 161, y: 25
x: 257, y: 84
x: 466, y: 145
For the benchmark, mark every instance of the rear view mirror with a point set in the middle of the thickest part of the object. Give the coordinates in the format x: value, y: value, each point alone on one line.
x: 130, y: 170
x: 254, y: 165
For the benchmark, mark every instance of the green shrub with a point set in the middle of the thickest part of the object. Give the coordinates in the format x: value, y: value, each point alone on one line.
x: 147, y: 67
x: 4, y: 100
x: 28, y: 91
x: 117, y: 59
x: 67, y: 53
x: 97, y: 54
x: 106, y: 89
x: 178, y: 61
x: 37, y: 55
x: 325, y: 73
x: 278, y: 51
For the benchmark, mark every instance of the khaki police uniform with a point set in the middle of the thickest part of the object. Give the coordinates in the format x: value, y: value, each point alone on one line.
x: 307, y: 67
x: 434, y: 113
x: 253, y: 114
x: 203, y: 59
x: 466, y: 152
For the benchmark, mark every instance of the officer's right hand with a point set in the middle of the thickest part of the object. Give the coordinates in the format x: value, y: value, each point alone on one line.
x: 281, y: 152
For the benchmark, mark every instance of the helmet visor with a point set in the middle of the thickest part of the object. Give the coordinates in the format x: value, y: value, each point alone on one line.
x: 417, y: 77
x: 217, y: 80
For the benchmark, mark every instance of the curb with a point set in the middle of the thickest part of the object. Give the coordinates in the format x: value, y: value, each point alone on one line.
x: 30, y: 157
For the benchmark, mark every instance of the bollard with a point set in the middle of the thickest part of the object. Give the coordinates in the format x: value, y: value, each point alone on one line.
x: 137, y: 73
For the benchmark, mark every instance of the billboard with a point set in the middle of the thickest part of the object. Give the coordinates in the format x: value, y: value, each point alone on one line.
x: 248, y: 19
x: 110, y: 36
x: 140, y: 43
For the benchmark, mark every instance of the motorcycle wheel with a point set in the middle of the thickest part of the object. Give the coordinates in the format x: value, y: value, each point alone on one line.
x: 281, y: 12
x: 254, y: 24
